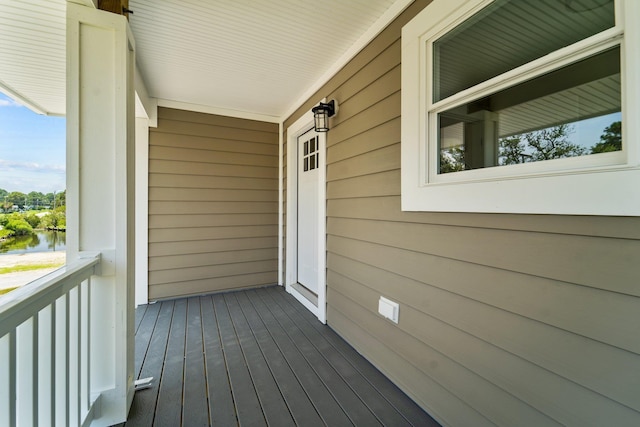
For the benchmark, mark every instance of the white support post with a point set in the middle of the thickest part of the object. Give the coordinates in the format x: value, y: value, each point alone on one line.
x: 142, y: 210
x: 101, y: 194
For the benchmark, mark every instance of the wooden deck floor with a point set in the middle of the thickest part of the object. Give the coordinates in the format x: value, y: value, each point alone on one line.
x: 256, y: 358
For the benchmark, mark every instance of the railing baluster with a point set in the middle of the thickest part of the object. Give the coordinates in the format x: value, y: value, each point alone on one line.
x: 12, y: 379
x: 34, y: 368
x: 44, y: 366
x: 45, y: 339
x: 88, y: 346
x: 67, y: 354
x: 52, y: 375
x: 79, y: 343
x: 7, y: 393
x: 62, y: 338
x: 83, y: 386
x: 24, y: 355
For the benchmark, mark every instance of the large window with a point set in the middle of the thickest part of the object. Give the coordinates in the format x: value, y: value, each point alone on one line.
x: 508, y: 105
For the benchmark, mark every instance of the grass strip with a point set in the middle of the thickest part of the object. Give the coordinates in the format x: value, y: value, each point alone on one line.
x: 29, y: 267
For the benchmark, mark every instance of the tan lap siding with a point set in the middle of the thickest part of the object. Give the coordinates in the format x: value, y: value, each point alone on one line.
x: 213, y: 204
x: 528, y: 320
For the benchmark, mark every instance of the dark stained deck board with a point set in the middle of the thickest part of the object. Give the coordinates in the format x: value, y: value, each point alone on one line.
x: 273, y: 405
x: 247, y: 404
x: 256, y: 357
x: 377, y: 404
x: 350, y: 402
x: 143, y: 335
x: 143, y: 407
x: 221, y: 406
x: 139, y: 315
x: 326, y: 406
x: 300, y: 406
x: 388, y: 390
x: 195, y: 388
x: 168, y: 411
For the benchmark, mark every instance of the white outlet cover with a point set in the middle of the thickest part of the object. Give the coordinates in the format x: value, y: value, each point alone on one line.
x: 388, y: 309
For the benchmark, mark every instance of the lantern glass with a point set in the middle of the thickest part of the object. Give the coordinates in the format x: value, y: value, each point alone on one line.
x: 321, y: 119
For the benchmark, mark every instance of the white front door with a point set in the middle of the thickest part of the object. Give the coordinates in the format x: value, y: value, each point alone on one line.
x: 308, y: 218
x: 305, y: 275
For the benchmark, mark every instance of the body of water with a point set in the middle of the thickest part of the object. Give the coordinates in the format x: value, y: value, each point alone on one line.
x: 40, y: 241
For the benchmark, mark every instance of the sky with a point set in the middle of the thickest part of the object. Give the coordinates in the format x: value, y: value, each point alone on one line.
x: 587, y: 132
x: 32, y: 149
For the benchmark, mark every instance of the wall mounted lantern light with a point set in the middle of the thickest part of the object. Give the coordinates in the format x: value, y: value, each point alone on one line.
x: 321, y: 114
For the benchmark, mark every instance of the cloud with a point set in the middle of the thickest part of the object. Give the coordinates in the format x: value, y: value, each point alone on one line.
x: 8, y: 102
x: 30, y: 176
x: 30, y: 167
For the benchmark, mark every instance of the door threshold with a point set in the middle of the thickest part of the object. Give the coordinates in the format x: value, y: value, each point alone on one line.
x: 306, y: 293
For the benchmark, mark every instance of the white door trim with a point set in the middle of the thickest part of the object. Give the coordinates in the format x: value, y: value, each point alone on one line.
x: 302, y: 125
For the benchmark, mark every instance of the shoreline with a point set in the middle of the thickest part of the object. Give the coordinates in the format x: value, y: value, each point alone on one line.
x: 12, y: 280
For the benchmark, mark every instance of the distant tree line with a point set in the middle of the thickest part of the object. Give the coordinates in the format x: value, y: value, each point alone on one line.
x: 23, y: 223
x: 545, y: 144
x: 554, y: 143
x: 34, y: 200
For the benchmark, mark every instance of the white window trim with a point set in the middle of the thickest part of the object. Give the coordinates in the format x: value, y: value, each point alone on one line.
x: 606, y: 184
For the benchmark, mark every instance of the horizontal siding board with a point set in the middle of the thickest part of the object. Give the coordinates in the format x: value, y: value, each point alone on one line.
x: 212, y: 195
x: 207, y: 169
x: 206, y: 286
x: 492, y: 402
x: 383, y: 111
x: 439, y: 402
x: 356, y: 206
x: 544, y: 300
x: 215, y: 120
x: 213, y: 191
x: 186, y: 274
x: 379, y: 137
x: 194, y: 208
x: 383, y: 87
x: 375, y: 185
x: 209, y: 220
x: 564, y: 401
x: 198, y: 181
x: 212, y: 258
x: 206, y: 143
x: 582, y: 360
x: 382, y: 160
x: 206, y: 246
x: 223, y: 132
x: 388, y: 59
x: 210, y: 233
x: 212, y: 157
x: 602, y: 263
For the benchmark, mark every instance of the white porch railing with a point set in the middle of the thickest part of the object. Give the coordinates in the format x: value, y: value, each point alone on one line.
x: 45, y: 349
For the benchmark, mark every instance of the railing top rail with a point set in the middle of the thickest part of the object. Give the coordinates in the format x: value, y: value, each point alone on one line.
x: 22, y: 303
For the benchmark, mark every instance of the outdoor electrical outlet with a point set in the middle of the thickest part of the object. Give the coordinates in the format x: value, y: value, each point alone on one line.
x: 389, y: 309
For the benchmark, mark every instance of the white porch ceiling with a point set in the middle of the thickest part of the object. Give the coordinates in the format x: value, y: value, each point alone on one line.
x: 32, y: 53
x: 249, y: 55
x: 246, y: 56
